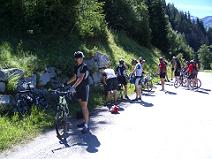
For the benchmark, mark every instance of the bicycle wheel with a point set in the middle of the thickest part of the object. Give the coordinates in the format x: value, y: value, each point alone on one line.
x: 23, y: 106
x: 185, y: 82
x: 42, y: 102
x: 177, y: 83
x: 149, y: 86
x: 61, y: 125
x: 196, y: 84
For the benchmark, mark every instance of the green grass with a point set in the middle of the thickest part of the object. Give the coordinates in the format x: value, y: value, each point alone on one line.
x: 18, y: 59
x: 118, y: 45
x: 14, y: 130
x: 209, y: 71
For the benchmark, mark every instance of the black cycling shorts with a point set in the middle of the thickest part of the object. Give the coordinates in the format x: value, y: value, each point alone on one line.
x: 122, y: 80
x: 111, y: 84
x: 192, y: 76
x: 82, y: 93
x: 177, y: 73
x: 162, y: 75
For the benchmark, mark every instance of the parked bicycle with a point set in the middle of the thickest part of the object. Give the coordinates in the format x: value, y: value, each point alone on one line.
x: 62, y: 111
x: 146, y: 82
x: 25, y: 99
x: 181, y: 80
x: 195, y: 83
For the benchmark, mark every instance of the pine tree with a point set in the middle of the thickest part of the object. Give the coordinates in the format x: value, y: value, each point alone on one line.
x: 159, y: 25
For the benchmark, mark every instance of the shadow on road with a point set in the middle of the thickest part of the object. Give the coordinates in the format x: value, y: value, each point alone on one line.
x: 148, y: 94
x: 170, y: 93
x: 146, y: 104
x: 76, y: 138
x: 204, y: 89
x: 201, y: 91
x: 90, y: 141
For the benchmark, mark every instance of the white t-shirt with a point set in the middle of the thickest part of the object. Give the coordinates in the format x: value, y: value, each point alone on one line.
x: 110, y: 73
x: 138, y: 70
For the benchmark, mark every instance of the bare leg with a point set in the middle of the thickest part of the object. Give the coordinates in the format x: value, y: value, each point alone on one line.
x: 162, y: 83
x: 115, y: 96
x: 138, y: 91
x: 85, y: 112
x: 108, y: 96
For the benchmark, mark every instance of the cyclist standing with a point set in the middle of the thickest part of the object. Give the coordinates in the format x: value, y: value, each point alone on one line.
x: 81, y: 83
x: 138, y: 71
x: 177, y: 67
x: 191, y: 73
x: 122, y: 76
x: 162, y: 72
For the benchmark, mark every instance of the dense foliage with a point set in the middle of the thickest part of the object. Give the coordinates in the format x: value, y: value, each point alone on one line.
x: 205, y: 56
x: 149, y: 22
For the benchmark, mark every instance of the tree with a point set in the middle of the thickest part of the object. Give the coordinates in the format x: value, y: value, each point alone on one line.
x: 159, y: 25
x: 130, y: 16
x: 205, y: 56
x: 209, y: 34
x: 90, y: 18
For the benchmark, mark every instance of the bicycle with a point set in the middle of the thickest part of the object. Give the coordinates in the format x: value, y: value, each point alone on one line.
x: 146, y: 83
x: 182, y: 80
x: 62, y: 112
x: 195, y: 83
x: 25, y: 99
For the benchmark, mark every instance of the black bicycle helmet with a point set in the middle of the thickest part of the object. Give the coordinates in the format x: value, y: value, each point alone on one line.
x: 121, y: 61
x: 79, y: 54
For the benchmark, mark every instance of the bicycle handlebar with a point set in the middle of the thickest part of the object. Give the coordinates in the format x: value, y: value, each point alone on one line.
x: 63, y: 93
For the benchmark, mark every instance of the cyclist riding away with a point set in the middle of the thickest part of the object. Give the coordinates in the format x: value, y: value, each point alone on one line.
x: 122, y: 76
x: 81, y: 83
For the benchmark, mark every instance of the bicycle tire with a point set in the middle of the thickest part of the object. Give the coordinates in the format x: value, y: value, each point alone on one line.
x: 61, y: 125
x: 149, y: 86
x: 196, y: 85
x: 42, y: 102
x: 23, y: 107
x: 177, y: 83
x: 185, y: 82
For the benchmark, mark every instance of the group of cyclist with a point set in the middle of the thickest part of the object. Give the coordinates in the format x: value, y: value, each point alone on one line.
x: 190, y: 69
x: 112, y: 78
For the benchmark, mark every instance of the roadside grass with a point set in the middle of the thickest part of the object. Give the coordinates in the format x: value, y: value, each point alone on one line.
x: 118, y: 45
x: 208, y: 71
x: 18, y: 58
x: 15, y: 130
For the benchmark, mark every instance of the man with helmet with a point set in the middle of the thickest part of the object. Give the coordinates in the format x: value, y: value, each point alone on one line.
x: 192, y: 72
x: 81, y: 84
x: 138, y: 71
x: 122, y: 76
